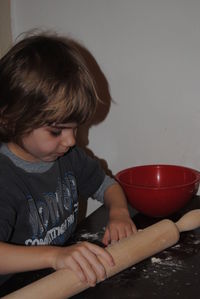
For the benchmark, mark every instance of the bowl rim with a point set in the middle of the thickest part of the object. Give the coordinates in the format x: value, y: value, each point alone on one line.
x: 196, y: 172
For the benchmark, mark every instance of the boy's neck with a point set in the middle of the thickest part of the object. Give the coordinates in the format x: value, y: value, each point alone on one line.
x: 20, y: 152
x: 30, y: 167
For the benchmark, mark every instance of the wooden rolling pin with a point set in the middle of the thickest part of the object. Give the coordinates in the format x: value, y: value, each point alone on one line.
x: 64, y: 283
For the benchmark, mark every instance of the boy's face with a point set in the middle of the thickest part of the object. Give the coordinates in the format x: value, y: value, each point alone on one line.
x: 46, y: 143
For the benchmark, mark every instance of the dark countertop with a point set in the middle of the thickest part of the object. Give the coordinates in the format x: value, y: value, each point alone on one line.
x: 173, y: 273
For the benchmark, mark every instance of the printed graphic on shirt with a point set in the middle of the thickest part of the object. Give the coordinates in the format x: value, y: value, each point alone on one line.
x: 53, y: 216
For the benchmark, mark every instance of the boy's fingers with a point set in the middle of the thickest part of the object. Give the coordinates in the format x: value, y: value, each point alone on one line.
x: 129, y: 231
x: 97, y: 250
x: 119, y: 232
x: 95, y: 263
x: 133, y: 227
x: 75, y: 267
x: 114, y: 234
x: 86, y: 266
x: 106, y: 237
x: 122, y: 233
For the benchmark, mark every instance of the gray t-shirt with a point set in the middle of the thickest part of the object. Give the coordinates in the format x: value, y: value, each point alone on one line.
x: 39, y: 201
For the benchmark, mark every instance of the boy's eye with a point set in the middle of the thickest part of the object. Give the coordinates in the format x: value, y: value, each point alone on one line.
x: 55, y: 132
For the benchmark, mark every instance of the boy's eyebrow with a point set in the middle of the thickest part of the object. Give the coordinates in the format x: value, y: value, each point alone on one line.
x: 62, y: 126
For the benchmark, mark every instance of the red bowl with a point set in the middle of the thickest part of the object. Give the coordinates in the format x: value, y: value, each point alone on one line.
x: 159, y: 190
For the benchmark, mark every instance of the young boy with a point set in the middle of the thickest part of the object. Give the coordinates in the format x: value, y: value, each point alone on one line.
x: 46, y: 92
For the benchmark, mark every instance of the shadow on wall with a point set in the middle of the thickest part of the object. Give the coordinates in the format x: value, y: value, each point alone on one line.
x: 102, y: 111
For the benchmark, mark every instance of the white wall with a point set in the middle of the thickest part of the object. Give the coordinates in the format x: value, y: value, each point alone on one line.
x: 149, y: 52
x: 5, y: 28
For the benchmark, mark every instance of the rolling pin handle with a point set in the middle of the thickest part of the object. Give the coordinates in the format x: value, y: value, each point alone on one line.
x: 189, y: 221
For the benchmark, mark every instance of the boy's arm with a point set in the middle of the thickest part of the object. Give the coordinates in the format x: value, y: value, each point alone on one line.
x: 19, y: 258
x: 81, y: 258
x: 120, y: 224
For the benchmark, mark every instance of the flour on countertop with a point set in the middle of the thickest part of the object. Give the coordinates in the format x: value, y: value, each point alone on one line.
x: 168, y: 261
x: 155, y: 260
x: 89, y: 236
x: 160, y: 268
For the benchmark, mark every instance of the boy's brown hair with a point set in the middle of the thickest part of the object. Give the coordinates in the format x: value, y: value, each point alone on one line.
x: 43, y: 80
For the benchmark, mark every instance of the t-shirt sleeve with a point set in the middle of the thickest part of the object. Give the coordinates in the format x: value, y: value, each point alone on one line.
x: 107, y: 182
x: 89, y: 173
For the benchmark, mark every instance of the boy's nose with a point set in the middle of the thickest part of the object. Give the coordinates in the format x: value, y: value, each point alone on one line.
x: 68, y: 139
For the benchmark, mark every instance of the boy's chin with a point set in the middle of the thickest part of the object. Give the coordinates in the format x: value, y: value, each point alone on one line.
x: 50, y: 158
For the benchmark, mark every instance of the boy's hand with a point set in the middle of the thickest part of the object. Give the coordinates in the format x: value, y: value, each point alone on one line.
x: 83, y: 259
x: 120, y: 226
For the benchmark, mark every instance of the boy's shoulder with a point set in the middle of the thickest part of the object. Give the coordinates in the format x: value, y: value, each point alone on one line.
x: 8, y: 177
x: 6, y: 169
x: 5, y: 163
